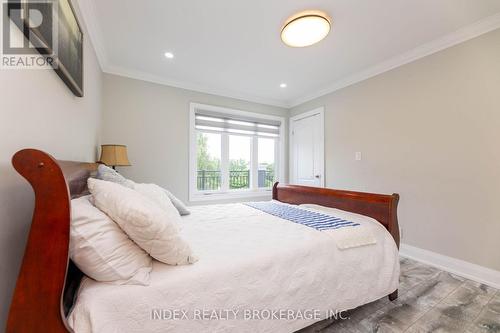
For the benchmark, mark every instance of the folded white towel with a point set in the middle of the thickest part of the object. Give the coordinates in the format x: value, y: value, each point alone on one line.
x: 349, y: 237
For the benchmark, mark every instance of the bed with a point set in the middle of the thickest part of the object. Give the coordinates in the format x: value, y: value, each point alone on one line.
x: 245, y: 272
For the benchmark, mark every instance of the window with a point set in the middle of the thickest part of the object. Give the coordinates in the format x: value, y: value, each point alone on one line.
x: 233, y: 153
x: 208, y: 161
x: 240, y: 159
x: 267, y: 165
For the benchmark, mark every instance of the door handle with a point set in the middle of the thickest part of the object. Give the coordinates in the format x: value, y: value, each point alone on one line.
x: 317, y: 176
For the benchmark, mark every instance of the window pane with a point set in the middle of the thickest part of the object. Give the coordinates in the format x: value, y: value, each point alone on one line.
x: 240, y: 148
x: 267, y: 171
x: 208, y: 161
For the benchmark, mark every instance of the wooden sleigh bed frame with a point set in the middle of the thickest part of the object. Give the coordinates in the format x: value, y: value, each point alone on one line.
x: 48, y: 281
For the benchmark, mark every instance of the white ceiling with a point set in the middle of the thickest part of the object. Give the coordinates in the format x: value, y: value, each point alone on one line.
x: 233, y: 47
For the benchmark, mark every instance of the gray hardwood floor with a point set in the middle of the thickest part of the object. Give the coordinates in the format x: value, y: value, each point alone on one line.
x: 430, y: 300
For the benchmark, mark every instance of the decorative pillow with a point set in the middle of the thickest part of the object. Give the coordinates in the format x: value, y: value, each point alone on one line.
x: 110, y: 175
x: 179, y: 205
x: 156, y: 194
x: 102, y: 250
x: 154, y: 229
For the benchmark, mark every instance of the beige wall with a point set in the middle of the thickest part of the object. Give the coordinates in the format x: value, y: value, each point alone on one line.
x: 153, y: 121
x: 38, y: 111
x: 429, y: 130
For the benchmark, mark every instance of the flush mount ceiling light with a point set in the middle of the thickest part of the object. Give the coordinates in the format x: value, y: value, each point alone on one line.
x: 283, y: 85
x: 169, y: 55
x: 306, y: 28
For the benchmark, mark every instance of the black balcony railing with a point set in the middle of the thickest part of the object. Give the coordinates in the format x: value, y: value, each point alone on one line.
x: 211, y: 180
x: 266, y: 178
x: 239, y: 179
x: 208, y: 180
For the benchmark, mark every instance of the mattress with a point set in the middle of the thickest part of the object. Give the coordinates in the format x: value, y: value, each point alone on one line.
x: 256, y: 273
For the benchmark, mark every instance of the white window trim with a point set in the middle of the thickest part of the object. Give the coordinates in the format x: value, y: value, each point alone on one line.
x: 194, y: 194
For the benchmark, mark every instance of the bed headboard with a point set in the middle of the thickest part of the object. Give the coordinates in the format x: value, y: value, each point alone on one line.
x: 382, y: 208
x: 47, y: 281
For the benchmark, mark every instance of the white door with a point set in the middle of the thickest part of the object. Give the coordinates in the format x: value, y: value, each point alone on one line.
x: 307, y: 149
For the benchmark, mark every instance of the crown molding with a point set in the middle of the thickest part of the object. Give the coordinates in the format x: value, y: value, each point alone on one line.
x: 143, y: 76
x: 462, y: 35
x: 488, y: 24
x: 88, y: 11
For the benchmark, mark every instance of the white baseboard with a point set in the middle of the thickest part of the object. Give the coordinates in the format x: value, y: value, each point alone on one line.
x: 459, y: 267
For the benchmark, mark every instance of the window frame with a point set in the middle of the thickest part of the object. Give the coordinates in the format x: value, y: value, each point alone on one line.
x: 225, y: 193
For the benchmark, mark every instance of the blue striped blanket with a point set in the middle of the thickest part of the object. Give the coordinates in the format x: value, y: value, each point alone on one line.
x: 308, y: 218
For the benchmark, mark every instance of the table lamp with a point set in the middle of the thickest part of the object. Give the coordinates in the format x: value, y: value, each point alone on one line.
x: 114, y: 155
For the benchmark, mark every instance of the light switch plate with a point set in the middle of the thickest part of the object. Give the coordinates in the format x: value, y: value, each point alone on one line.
x: 358, y: 156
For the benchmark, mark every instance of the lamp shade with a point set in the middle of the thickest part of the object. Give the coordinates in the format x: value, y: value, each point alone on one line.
x: 114, y: 155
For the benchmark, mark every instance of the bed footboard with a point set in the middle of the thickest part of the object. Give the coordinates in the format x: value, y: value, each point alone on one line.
x: 381, y: 207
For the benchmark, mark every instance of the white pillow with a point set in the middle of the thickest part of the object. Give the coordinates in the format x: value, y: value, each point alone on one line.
x: 156, y: 194
x: 154, y: 229
x: 102, y: 250
x: 110, y: 175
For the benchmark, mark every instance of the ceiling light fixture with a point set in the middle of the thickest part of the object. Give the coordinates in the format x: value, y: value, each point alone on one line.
x: 169, y: 55
x: 283, y: 85
x: 306, y: 28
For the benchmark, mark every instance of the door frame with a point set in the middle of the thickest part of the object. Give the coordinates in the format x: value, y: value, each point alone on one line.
x: 318, y: 111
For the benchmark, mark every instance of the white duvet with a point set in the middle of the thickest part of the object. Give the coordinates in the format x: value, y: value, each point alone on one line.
x: 256, y: 273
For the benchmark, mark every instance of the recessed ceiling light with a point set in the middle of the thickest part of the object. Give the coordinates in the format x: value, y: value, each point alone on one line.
x: 305, y: 28
x: 169, y: 55
x: 283, y: 85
